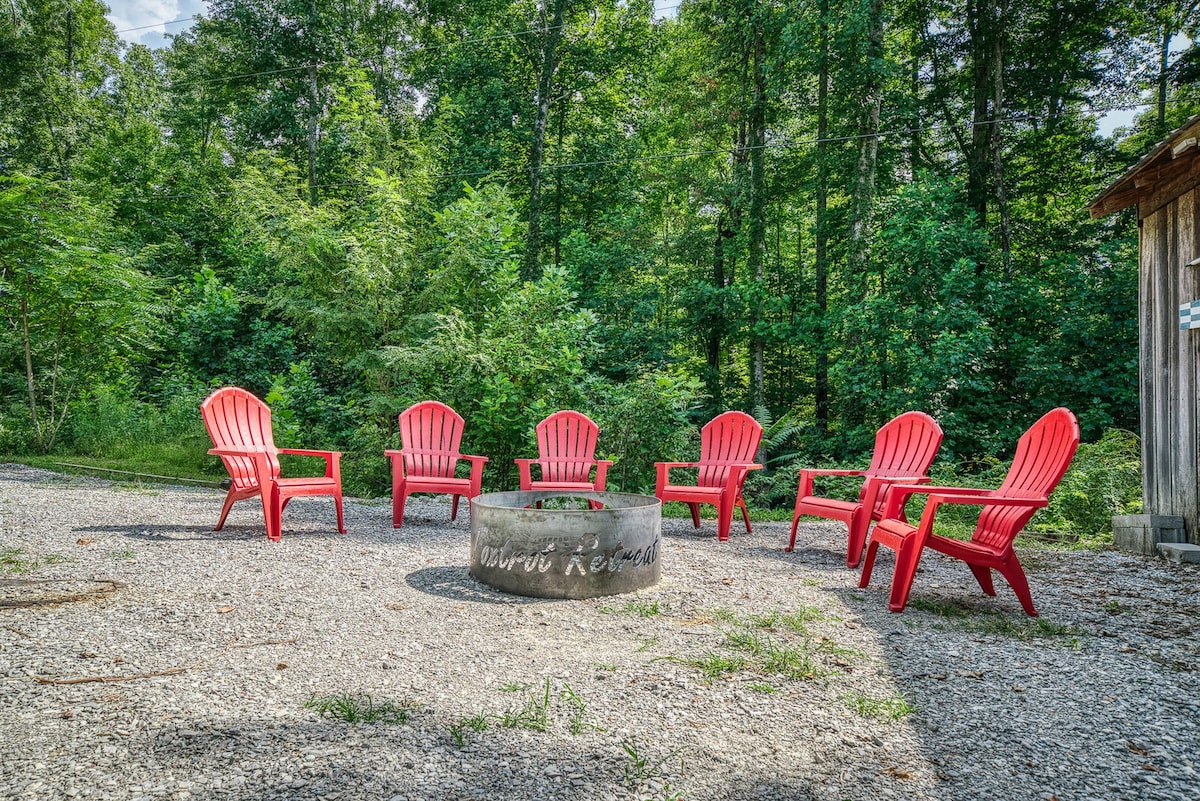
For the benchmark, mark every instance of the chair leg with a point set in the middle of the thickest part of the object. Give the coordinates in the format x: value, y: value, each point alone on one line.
x: 1015, y: 575
x: 868, y: 565
x: 695, y: 514
x: 398, y: 498
x: 908, y: 556
x: 791, y: 546
x: 859, y: 520
x: 984, y: 576
x: 274, y: 513
x: 745, y: 513
x: 337, y: 501
x: 225, y: 509
x: 454, y: 507
x: 724, y: 518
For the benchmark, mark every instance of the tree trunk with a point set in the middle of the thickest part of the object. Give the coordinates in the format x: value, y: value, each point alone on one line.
x: 996, y: 143
x: 716, y: 316
x: 312, y: 135
x: 757, y: 228
x: 979, y: 13
x: 1164, y: 59
x: 821, y: 236
x: 533, y: 239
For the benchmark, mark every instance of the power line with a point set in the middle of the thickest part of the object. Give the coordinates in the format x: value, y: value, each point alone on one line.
x: 159, y: 24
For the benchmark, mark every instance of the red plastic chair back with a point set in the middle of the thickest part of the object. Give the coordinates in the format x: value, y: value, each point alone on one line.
x: 1044, y: 453
x: 567, y: 446
x: 430, y: 433
x: 729, y: 438
x: 905, y: 446
x: 236, y: 418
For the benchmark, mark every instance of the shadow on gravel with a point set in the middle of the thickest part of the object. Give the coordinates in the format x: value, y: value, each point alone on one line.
x: 164, y: 533
x: 456, y: 583
x: 306, y: 761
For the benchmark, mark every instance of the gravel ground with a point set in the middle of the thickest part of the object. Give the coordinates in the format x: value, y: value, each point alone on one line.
x: 142, y: 655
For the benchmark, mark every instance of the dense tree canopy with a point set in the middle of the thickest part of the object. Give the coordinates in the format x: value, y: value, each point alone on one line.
x: 825, y: 211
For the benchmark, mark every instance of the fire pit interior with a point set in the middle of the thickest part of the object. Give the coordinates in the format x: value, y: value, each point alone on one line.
x: 566, y: 549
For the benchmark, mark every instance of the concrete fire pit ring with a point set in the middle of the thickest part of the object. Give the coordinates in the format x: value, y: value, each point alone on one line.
x: 571, y: 553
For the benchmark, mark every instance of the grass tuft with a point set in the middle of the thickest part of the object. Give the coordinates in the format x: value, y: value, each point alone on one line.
x: 359, y: 708
x: 879, y: 708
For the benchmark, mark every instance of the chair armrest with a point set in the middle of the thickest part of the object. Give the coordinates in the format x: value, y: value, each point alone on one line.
x: 257, y: 454
x: 737, y: 477
x: 663, y: 470
x: 807, y: 475
x: 602, y: 466
x: 333, y: 468
x: 898, y: 495
x: 524, y: 468
x: 304, y: 452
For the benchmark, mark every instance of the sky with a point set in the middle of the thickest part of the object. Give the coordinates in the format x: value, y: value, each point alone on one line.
x: 126, y: 14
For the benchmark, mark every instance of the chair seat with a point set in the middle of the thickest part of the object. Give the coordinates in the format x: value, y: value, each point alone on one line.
x: 321, y: 483
x: 583, y: 486
x: 827, y: 508
x: 441, y: 486
x: 674, y: 492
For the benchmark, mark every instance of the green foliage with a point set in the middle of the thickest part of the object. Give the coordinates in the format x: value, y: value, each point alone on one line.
x: 1104, y: 481
x: 310, y: 222
x: 74, y: 313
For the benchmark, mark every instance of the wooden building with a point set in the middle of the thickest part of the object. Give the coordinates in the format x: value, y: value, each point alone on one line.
x: 1165, y: 187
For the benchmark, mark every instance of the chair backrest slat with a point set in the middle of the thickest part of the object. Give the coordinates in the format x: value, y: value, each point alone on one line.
x: 567, y: 446
x: 430, y: 435
x: 235, y: 418
x: 905, y: 446
x: 729, y: 438
x: 1044, y: 453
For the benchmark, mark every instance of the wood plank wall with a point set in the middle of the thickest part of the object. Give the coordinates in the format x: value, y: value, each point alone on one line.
x: 1170, y: 360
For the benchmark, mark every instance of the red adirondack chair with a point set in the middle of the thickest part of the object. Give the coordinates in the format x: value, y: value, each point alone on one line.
x: 430, y: 433
x: 566, y: 454
x: 904, y: 449
x: 1043, y: 454
x: 728, y: 443
x: 240, y: 427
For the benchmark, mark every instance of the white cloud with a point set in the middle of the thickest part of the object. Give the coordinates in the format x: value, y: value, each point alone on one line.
x: 149, y: 18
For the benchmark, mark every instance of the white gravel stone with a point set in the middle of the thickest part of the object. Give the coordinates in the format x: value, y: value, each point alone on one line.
x: 211, y: 643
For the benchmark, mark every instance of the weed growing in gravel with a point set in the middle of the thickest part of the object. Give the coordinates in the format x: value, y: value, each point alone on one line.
x: 794, y: 621
x: 879, y: 708
x: 515, y: 687
x: 608, y: 667
x: 987, y: 621
x: 358, y: 708
x: 1026, y: 629
x: 645, y: 608
x: 576, y: 723
x: 474, y: 723
x: 723, y: 615
x: 647, y: 644
x: 12, y: 560
x: 714, y: 665
x: 535, y: 714
x: 126, y: 553
x: 641, y: 767
x: 763, y: 687
x: 939, y: 608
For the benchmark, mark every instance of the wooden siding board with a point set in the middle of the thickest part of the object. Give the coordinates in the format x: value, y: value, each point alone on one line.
x: 1185, y: 249
x: 1155, y: 415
